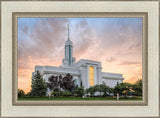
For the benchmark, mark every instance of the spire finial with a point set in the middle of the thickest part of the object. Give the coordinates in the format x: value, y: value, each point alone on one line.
x: 68, y: 31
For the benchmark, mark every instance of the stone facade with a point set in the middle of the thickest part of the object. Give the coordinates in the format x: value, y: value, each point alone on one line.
x: 80, y: 70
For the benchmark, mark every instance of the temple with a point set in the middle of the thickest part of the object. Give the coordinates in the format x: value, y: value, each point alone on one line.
x: 85, y: 72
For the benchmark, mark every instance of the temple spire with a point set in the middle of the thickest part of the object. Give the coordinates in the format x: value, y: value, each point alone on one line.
x: 68, y: 31
x: 69, y: 60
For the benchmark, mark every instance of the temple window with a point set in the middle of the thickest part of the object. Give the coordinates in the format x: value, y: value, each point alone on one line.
x: 91, y: 76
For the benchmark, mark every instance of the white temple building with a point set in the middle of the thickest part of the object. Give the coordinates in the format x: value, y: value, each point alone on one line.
x: 85, y: 72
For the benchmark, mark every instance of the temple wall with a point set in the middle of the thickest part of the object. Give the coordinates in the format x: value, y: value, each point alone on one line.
x: 111, y: 82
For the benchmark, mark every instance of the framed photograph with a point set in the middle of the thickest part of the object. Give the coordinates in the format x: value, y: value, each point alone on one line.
x: 70, y: 58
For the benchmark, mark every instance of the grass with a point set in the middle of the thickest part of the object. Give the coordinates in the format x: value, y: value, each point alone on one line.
x: 79, y: 98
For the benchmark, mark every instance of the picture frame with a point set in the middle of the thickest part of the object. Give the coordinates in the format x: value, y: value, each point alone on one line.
x: 80, y: 14
x: 11, y: 10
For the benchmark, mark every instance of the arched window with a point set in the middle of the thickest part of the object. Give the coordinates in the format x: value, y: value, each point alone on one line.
x: 91, y: 76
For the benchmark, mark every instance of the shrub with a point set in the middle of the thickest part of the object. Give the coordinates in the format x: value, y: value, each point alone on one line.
x: 56, y: 93
x: 91, y: 90
x: 66, y: 93
x: 28, y: 94
x: 20, y: 93
x: 79, y: 91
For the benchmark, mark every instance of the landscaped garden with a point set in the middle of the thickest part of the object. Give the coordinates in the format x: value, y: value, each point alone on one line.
x: 64, y: 88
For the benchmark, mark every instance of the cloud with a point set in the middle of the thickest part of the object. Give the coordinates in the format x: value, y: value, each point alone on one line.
x: 46, y: 40
x: 129, y: 63
x: 25, y: 29
x: 121, y: 36
x: 83, y: 39
x: 132, y: 79
x: 41, y: 42
x: 111, y: 59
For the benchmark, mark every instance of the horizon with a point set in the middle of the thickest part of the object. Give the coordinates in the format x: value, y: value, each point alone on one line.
x: 41, y: 42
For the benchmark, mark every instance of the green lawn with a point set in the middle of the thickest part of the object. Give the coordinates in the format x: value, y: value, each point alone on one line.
x: 78, y: 98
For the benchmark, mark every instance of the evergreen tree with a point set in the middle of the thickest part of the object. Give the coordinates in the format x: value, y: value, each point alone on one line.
x: 39, y: 86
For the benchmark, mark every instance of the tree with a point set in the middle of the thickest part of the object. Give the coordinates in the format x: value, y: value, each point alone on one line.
x: 54, y: 83
x: 39, y: 87
x: 66, y: 93
x: 79, y: 91
x: 122, y: 88
x: 110, y: 90
x: 58, y: 82
x: 104, y: 88
x: 56, y: 93
x: 28, y: 94
x: 137, y: 87
x: 67, y: 83
x: 20, y: 93
x: 99, y: 88
x: 81, y: 83
x: 91, y: 90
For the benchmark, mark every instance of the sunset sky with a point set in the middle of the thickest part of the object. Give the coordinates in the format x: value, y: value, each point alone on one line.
x: 116, y: 42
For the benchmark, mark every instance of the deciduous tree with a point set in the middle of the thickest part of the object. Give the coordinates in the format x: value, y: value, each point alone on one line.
x: 79, y: 91
x: 20, y: 93
x: 67, y: 83
x: 91, y: 90
x: 56, y: 83
x: 122, y: 88
x: 137, y: 87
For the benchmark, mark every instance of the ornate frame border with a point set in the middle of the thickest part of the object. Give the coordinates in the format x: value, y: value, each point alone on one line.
x: 101, y: 103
